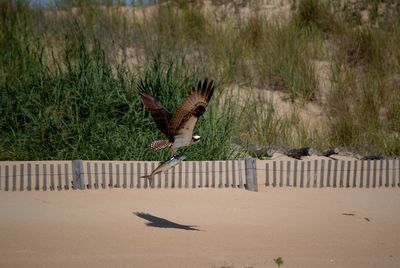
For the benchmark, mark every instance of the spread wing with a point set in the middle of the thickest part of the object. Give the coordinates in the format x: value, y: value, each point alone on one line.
x: 157, y: 111
x: 185, y: 117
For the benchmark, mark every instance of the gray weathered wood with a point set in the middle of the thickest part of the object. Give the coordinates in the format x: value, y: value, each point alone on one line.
x: 335, y: 170
x: 233, y: 174
x: 281, y: 173
x: 159, y: 183
x: 173, y: 177
x: 89, y: 175
x: 398, y: 172
x: 267, y: 174
x: 139, y: 174
x: 146, y: 172
x: 59, y: 177
x: 321, y: 182
x: 200, y: 173
x: 374, y: 173
x: 251, y: 174
x: 295, y: 173
x: 302, y: 174
x: 1, y: 179
x: 44, y: 177
x: 308, y: 173
x: 220, y: 174
x: 166, y: 176
x: 315, y: 173
x: 52, y: 183
x: 355, y: 174
x: 194, y: 181
x: 37, y: 183
x: 96, y: 175
x: 103, y: 175
x: 111, y: 176
x: 132, y: 175
x: 393, y: 173
x: 29, y: 177
x: 22, y: 179
x: 329, y: 173
x: 381, y: 173
x: 368, y: 173
x: 348, y: 174
x: 180, y: 175
x: 213, y: 179
x: 342, y: 167
x: 186, y: 174
x: 274, y: 174
x: 66, y: 177
x: 78, y: 178
x: 7, y: 178
x: 14, y: 186
x: 288, y: 174
x: 362, y: 174
x: 226, y: 174
x: 117, y: 176
x: 387, y: 173
x: 240, y: 174
x: 125, y: 176
x: 207, y: 175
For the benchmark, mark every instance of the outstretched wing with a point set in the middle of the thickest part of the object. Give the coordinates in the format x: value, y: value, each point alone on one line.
x: 185, y: 117
x: 158, y: 112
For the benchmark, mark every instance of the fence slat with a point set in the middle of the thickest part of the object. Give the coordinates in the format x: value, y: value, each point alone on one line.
x: 368, y: 172
x: 220, y: 174
x: 111, y: 175
x: 381, y: 173
x: 308, y: 173
x: 374, y: 173
x: 200, y: 174
x: 180, y: 175
x: 139, y: 173
x: 194, y: 174
x: 329, y: 173
x: 348, y: 174
x: 103, y: 175
x: 14, y: 185
x: 315, y: 173
x: 173, y: 177
x: 295, y: 173
x: 240, y: 174
x: 233, y: 174
x: 362, y: 174
x: 281, y: 173
x: 59, y: 177
x: 96, y: 175
x: 342, y: 167
x: 186, y: 174
x: 321, y: 182
x: 166, y: 179
x: 387, y: 173
x: 125, y: 175
x: 207, y: 175
x: 251, y: 174
x: 44, y: 177
x: 37, y: 175
x: 132, y: 177
x: 274, y: 174
x: 335, y: 170
x: 226, y: 174
x: 288, y: 173
x: 22, y: 179
x: 393, y: 173
x: 146, y: 172
x: 267, y: 174
x: 301, y: 174
x: 89, y: 175
x: 52, y: 184
x: 29, y: 177
x: 355, y: 174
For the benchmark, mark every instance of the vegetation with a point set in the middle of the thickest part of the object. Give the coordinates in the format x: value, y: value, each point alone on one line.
x: 68, y: 78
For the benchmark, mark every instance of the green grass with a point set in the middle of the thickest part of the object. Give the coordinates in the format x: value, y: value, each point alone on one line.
x: 68, y: 78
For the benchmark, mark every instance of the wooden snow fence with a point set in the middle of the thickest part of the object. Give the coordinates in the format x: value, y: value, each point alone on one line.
x: 250, y: 174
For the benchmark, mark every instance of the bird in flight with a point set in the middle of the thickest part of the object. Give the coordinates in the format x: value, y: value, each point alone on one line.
x: 178, y: 128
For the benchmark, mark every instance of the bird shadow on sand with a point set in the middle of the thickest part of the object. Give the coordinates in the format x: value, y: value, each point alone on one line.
x: 154, y: 221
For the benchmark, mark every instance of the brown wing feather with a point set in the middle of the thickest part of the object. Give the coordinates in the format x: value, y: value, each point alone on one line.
x: 193, y: 106
x: 157, y: 111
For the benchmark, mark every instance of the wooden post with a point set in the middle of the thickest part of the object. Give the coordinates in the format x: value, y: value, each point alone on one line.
x: 14, y: 178
x: 394, y: 173
x: 302, y: 174
x: 7, y: 177
x: 59, y: 186
x: 226, y: 173
x: 355, y: 174
x: 342, y: 165
x: 139, y: 181
x: 111, y: 177
x: 96, y: 175
x: 374, y: 173
x: 173, y: 177
x: 233, y: 174
x: 200, y: 174
x: 29, y: 177
x: 266, y: 174
x: 220, y: 174
x: 125, y: 176
x: 348, y: 174
x: 37, y: 177
x: 180, y: 175
x: 78, y: 178
x: 186, y: 174
x: 194, y: 182
x: 308, y: 173
x: 368, y: 172
x: 207, y: 175
x: 52, y: 177
x: 381, y: 173
x: 240, y: 174
x: 335, y: 173
x: 66, y: 171
x: 328, y: 174
x: 251, y: 174
x: 117, y: 176
x: 362, y: 174
x: 103, y: 175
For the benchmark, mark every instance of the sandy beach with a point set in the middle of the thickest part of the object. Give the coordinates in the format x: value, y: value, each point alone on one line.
x: 201, y: 228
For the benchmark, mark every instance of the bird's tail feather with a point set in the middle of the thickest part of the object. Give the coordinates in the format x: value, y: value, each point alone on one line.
x: 160, y: 144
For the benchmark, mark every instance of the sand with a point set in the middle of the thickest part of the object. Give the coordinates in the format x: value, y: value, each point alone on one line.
x: 201, y: 228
